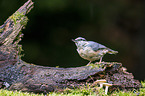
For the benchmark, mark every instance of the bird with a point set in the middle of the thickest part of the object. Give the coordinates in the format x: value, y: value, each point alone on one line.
x: 91, y: 50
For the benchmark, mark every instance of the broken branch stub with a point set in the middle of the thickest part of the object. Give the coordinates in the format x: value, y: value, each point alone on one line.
x: 14, y: 24
x: 33, y: 78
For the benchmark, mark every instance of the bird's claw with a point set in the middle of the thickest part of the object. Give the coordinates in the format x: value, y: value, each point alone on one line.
x: 99, y: 62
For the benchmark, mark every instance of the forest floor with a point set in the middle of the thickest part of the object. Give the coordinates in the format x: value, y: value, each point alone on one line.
x: 78, y: 92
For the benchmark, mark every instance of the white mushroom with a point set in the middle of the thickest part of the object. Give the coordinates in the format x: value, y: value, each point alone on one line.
x: 107, y: 86
x: 100, y: 82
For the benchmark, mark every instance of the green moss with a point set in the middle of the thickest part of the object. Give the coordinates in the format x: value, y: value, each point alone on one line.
x: 24, y: 21
x: 94, y: 65
x: 57, y: 66
x: 20, y: 51
x: 17, y: 16
x: 1, y: 30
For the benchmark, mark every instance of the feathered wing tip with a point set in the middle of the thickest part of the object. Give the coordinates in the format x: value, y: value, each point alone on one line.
x: 110, y: 51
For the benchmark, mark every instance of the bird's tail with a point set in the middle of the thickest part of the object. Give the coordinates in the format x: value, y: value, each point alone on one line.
x: 110, y: 51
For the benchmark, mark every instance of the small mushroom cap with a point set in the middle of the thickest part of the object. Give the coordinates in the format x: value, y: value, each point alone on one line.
x: 100, y: 81
x: 107, y: 84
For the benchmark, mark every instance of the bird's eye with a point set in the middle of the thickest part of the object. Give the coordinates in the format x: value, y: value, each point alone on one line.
x: 80, y: 39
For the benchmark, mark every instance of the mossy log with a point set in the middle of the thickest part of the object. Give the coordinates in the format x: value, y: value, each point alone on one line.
x: 15, y: 74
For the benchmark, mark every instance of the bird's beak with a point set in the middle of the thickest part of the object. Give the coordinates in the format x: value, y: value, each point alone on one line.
x: 73, y: 40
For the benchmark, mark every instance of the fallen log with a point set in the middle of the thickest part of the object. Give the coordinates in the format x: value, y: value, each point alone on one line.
x: 16, y: 74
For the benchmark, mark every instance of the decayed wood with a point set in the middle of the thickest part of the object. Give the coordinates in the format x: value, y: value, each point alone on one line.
x: 16, y: 74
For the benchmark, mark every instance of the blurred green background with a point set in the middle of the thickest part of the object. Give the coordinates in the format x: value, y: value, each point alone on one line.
x: 117, y: 24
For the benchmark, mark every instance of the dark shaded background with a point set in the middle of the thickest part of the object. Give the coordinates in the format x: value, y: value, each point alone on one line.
x: 117, y: 24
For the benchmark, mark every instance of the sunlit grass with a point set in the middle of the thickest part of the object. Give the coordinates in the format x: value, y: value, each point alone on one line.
x: 17, y: 93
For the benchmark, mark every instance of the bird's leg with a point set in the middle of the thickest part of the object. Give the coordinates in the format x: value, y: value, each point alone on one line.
x: 89, y: 63
x: 100, y: 60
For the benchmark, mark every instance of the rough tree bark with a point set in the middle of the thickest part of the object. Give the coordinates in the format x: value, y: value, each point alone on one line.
x: 15, y: 74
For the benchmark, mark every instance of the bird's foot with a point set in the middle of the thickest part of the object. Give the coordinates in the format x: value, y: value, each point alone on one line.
x: 99, y: 62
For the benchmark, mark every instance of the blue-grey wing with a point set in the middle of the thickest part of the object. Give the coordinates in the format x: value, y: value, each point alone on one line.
x: 95, y: 46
